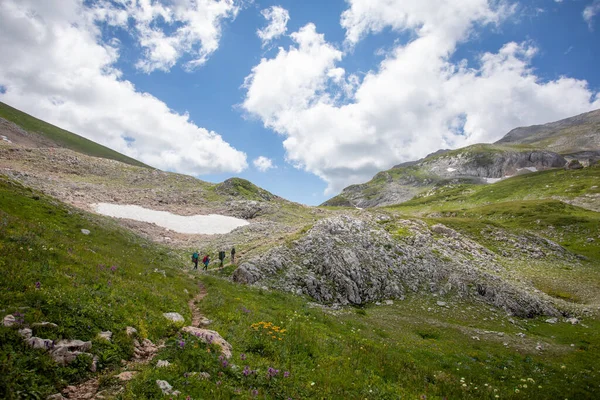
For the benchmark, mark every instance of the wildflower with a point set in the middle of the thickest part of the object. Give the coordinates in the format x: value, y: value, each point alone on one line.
x: 225, y: 363
x: 218, y: 383
x: 272, y: 372
x: 182, y: 344
x: 38, y: 285
x: 312, y: 384
x: 247, y: 371
x: 255, y: 392
x: 243, y: 357
x: 286, y: 374
x: 113, y: 268
x: 517, y: 390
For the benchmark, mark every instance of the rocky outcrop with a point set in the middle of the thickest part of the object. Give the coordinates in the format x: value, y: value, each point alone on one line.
x: 347, y: 260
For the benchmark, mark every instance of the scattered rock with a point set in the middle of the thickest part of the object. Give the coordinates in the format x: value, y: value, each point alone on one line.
x: 25, y: 333
x: 126, y: 376
x: 552, y: 320
x: 208, y: 336
x: 539, y: 347
x: 520, y: 334
x: 164, y: 386
x: 74, y: 345
x: 39, y: 343
x: 85, y: 231
x: 573, y: 164
x: 572, y: 321
x: 475, y: 337
x: 44, y: 325
x: 105, y: 335
x: 162, y: 363
x: 204, y: 321
x: 144, y: 351
x: 389, y: 302
x: 130, y: 331
x: 173, y: 316
x: 204, y: 376
x: 56, y: 396
x: 10, y: 320
x: 441, y: 303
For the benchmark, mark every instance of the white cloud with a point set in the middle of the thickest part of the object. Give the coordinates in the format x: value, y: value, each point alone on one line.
x: 170, y: 30
x: 590, y: 12
x: 417, y: 101
x: 278, y: 18
x: 263, y: 163
x: 59, y: 71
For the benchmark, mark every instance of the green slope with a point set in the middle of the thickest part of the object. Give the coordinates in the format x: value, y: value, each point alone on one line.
x: 408, y: 350
x: 63, y: 138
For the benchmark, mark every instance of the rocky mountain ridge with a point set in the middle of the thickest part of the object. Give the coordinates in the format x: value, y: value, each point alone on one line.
x: 523, y: 150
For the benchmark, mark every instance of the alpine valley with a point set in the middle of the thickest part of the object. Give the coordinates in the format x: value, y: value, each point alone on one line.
x: 472, y: 273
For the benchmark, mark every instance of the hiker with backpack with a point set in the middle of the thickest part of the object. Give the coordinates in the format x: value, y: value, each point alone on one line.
x: 221, y: 257
x: 205, y: 261
x: 233, y: 255
x: 195, y: 257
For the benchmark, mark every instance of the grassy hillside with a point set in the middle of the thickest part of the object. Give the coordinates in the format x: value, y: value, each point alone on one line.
x: 558, y: 183
x: 413, y: 348
x: 103, y: 281
x: 61, y: 137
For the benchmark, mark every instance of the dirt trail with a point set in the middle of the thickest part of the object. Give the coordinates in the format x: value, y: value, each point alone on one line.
x: 196, y: 314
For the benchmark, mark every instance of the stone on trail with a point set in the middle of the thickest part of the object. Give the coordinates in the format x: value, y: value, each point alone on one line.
x: 56, y: 396
x: 173, y: 316
x: 552, y: 320
x: 85, y: 231
x: 208, y: 336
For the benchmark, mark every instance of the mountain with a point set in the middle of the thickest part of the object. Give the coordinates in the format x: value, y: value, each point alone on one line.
x: 521, y: 151
x: 570, y: 135
x: 22, y: 129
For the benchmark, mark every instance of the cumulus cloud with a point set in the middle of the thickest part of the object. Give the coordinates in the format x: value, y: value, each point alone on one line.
x: 263, y: 163
x: 278, y: 18
x: 60, y: 71
x: 170, y: 30
x: 590, y: 12
x: 345, y: 130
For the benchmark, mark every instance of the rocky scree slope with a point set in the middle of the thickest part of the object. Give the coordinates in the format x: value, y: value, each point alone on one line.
x: 358, y: 259
x: 570, y: 135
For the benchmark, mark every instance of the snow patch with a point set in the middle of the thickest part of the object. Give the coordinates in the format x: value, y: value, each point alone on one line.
x: 194, y: 224
x: 5, y: 138
x: 532, y: 169
x: 492, y: 180
x: 451, y: 169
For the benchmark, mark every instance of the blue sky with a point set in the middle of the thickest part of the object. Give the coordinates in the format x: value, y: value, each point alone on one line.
x: 380, y: 87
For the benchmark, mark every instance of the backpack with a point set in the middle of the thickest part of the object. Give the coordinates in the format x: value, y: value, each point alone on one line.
x: 205, y: 259
x: 194, y: 256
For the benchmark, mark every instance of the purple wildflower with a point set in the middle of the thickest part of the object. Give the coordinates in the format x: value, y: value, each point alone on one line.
x: 218, y: 383
x: 246, y: 371
x: 272, y: 372
x: 38, y: 285
x: 286, y: 374
x: 255, y: 392
x: 243, y: 357
x: 113, y: 268
x: 225, y: 363
x: 182, y: 344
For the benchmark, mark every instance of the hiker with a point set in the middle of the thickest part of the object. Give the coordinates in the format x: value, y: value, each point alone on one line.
x: 205, y: 261
x: 195, y: 257
x: 233, y: 255
x: 221, y: 257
